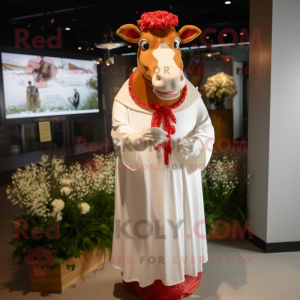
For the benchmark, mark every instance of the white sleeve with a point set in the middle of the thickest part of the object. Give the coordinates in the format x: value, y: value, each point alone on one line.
x: 204, y: 132
x: 120, y: 131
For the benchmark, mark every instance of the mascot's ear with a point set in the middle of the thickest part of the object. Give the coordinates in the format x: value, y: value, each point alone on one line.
x: 188, y: 33
x: 130, y: 33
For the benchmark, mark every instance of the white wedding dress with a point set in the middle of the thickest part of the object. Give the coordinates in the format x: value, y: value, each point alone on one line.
x: 152, y: 198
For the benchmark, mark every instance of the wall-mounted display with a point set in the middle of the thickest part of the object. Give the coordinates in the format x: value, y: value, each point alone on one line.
x: 37, y: 86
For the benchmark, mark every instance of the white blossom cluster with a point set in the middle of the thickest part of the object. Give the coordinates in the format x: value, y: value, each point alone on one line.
x: 58, y: 206
x: 105, y: 177
x: 219, y: 85
x: 223, y: 174
x: 32, y: 188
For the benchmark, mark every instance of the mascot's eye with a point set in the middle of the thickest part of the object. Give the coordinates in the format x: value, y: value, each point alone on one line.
x: 176, y: 44
x: 144, y: 45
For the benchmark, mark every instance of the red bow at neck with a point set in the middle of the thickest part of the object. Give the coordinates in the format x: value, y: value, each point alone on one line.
x: 163, y: 114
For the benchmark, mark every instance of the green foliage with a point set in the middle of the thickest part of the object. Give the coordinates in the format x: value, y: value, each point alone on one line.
x: 91, y: 102
x: 78, y: 232
x: 92, y: 83
x: 224, y: 194
x: 23, y: 108
x: 219, y: 102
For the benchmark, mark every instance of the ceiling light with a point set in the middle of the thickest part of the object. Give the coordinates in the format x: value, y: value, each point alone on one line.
x: 227, y: 2
x: 97, y: 60
x: 107, y: 62
x: 67, y: 28
x: 126, y: 54
x: 209, y: 53
x: 110, y: 45
x: 79, y: 48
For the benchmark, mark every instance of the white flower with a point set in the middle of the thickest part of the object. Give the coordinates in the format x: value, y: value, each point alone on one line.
x: 57, y: 215
x: 64, y: 182
x: 65, y: 190
x: 84, y: 207
x: 58, y: 204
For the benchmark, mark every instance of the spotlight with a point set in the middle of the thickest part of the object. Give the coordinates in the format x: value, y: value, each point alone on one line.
x: 224, y: 34
x: 241, y: 33
x: 107, y: 62
x: 67, y: 28
x: 207, y: 37
x: 79, y: 48
x: 92, y: 49
x: 97, y: 60
x: 129, y: 46
x: 227, y: 2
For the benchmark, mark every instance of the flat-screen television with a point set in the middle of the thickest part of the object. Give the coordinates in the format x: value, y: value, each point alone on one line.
x: 40, y: 86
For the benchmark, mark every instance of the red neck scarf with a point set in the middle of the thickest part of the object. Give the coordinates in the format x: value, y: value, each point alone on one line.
x: 162, y: 113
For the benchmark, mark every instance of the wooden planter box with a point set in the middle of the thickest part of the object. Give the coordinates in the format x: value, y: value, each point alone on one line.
x: 56, y: 280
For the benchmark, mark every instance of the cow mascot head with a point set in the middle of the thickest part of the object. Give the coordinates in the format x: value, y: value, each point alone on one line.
x: 158, y: 77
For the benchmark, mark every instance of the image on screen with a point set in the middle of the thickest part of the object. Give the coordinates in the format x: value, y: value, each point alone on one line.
x: 37, y: 86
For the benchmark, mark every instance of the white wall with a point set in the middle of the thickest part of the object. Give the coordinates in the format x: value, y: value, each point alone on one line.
x: 284, y: 159
x: 274, y: 121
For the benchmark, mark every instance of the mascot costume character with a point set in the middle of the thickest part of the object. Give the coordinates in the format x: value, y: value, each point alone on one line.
x: 163, y: 137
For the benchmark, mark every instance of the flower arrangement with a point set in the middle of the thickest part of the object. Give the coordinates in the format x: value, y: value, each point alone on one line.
x: 157, y: 19
x: 218, y: 87
x: 80, y: 200
x: 224, y: 193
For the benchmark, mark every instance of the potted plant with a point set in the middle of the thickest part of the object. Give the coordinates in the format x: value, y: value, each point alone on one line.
x: 65, y: 228
x: 224, y: 195
x: 218, y: 87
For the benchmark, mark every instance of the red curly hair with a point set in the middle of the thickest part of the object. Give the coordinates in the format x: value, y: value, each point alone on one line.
x: 157, y: 19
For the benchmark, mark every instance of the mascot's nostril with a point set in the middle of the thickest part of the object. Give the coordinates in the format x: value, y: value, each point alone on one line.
x: 182, y: 77
x: 158, y: 78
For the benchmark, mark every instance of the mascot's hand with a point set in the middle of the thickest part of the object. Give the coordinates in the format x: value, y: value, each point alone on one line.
x: 152, y: 136
x: 190, y: 147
